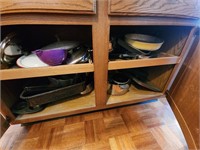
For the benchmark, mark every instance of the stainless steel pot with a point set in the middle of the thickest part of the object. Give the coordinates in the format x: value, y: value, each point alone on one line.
x: 119, y: 84
x: 10, y: 50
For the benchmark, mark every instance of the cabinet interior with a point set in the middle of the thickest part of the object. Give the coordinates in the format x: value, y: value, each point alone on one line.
x: 157, y: 75
x: 174, y: 36
x: 40, y: 35
x: 33, y: 37
x: 11, y: 90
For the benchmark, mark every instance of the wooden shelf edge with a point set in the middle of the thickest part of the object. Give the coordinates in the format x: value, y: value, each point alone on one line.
x: 64, y: 108
x: 134, y: 101
x: 152, y: 20
x: 85, y: 110
x: 73, y: 7
x: 34, y: 10
x: 54, y: 116
x: 19, y: 73
x: 123, y: 64
x: 128, y: 100
x: 135, y: 14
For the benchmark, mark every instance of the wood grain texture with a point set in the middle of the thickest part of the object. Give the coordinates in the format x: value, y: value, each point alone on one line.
x: 55, y: 15
x: 3, y: 125
x: 7, y: 74
x: 180, y: 36
x: 60, y: 108
x: 9, y: 90
x: 123, y: 64
x: 100, y: 32
x: 186, y: 49
x: 144, y: 126
x: 184, y: 97
x: 132, y: 95
x: 179, y: 8
x: 46, y: 18
x: 66, y: 19
x: 159, y: 75
x: 152, y: 20
x: 49, y: 6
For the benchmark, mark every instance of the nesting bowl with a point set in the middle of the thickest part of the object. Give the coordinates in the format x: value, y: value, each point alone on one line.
x: 56, y: 53
x: 52, y: 57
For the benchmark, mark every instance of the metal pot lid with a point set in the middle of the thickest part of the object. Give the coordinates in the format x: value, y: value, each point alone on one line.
x: 77, y: 56
x: 61, y: 45
x: 12, y: 50
x: 9, y: 48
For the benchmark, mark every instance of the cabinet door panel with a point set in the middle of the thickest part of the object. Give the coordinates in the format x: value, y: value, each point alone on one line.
x: 65, y: 6
x: 184, y: 97
x: 183, y: 8
x: 4, y: 125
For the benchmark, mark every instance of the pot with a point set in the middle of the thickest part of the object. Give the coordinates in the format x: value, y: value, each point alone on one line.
x: 80, y: 55
x: 10, y: 50
x: 119, y: 84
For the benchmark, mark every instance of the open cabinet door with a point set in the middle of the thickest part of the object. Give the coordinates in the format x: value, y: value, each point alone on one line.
x: 3, y: 125
x: 183, y: 96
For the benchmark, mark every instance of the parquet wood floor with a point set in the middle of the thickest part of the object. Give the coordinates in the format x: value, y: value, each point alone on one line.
x: 145, y: 126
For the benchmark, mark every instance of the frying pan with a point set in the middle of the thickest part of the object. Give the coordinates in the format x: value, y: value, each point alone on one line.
x: 143, y: 42
x: 146, y: 84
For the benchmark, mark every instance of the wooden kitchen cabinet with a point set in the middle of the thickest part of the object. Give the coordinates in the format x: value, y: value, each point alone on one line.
x: 48, y: 6
x: 155, y: 8
x: 183, y: 97
x: 112, y: 18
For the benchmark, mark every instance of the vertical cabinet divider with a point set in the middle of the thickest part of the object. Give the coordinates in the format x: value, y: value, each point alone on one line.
x: 100, y: 32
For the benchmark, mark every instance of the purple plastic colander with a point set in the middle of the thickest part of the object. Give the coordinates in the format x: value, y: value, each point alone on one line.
x: 52, y: 57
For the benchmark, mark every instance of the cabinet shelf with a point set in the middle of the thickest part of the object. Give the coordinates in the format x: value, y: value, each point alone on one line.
x: 18, y: 73
x: 123, y: 64
x: 61, y: 108
x: 134, y: 95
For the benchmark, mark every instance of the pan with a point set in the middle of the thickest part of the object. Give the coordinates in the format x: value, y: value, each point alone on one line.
x: 144, y: 42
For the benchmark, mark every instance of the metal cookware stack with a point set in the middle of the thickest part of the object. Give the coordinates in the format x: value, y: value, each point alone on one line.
x: 14, y: 51
x: 135, y: 46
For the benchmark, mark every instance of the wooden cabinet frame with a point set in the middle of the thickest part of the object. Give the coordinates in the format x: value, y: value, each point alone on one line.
x: 101, y: 23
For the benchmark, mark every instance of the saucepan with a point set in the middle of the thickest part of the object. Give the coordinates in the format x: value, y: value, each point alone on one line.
x: 119, y: 84
x: 10, y: 49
